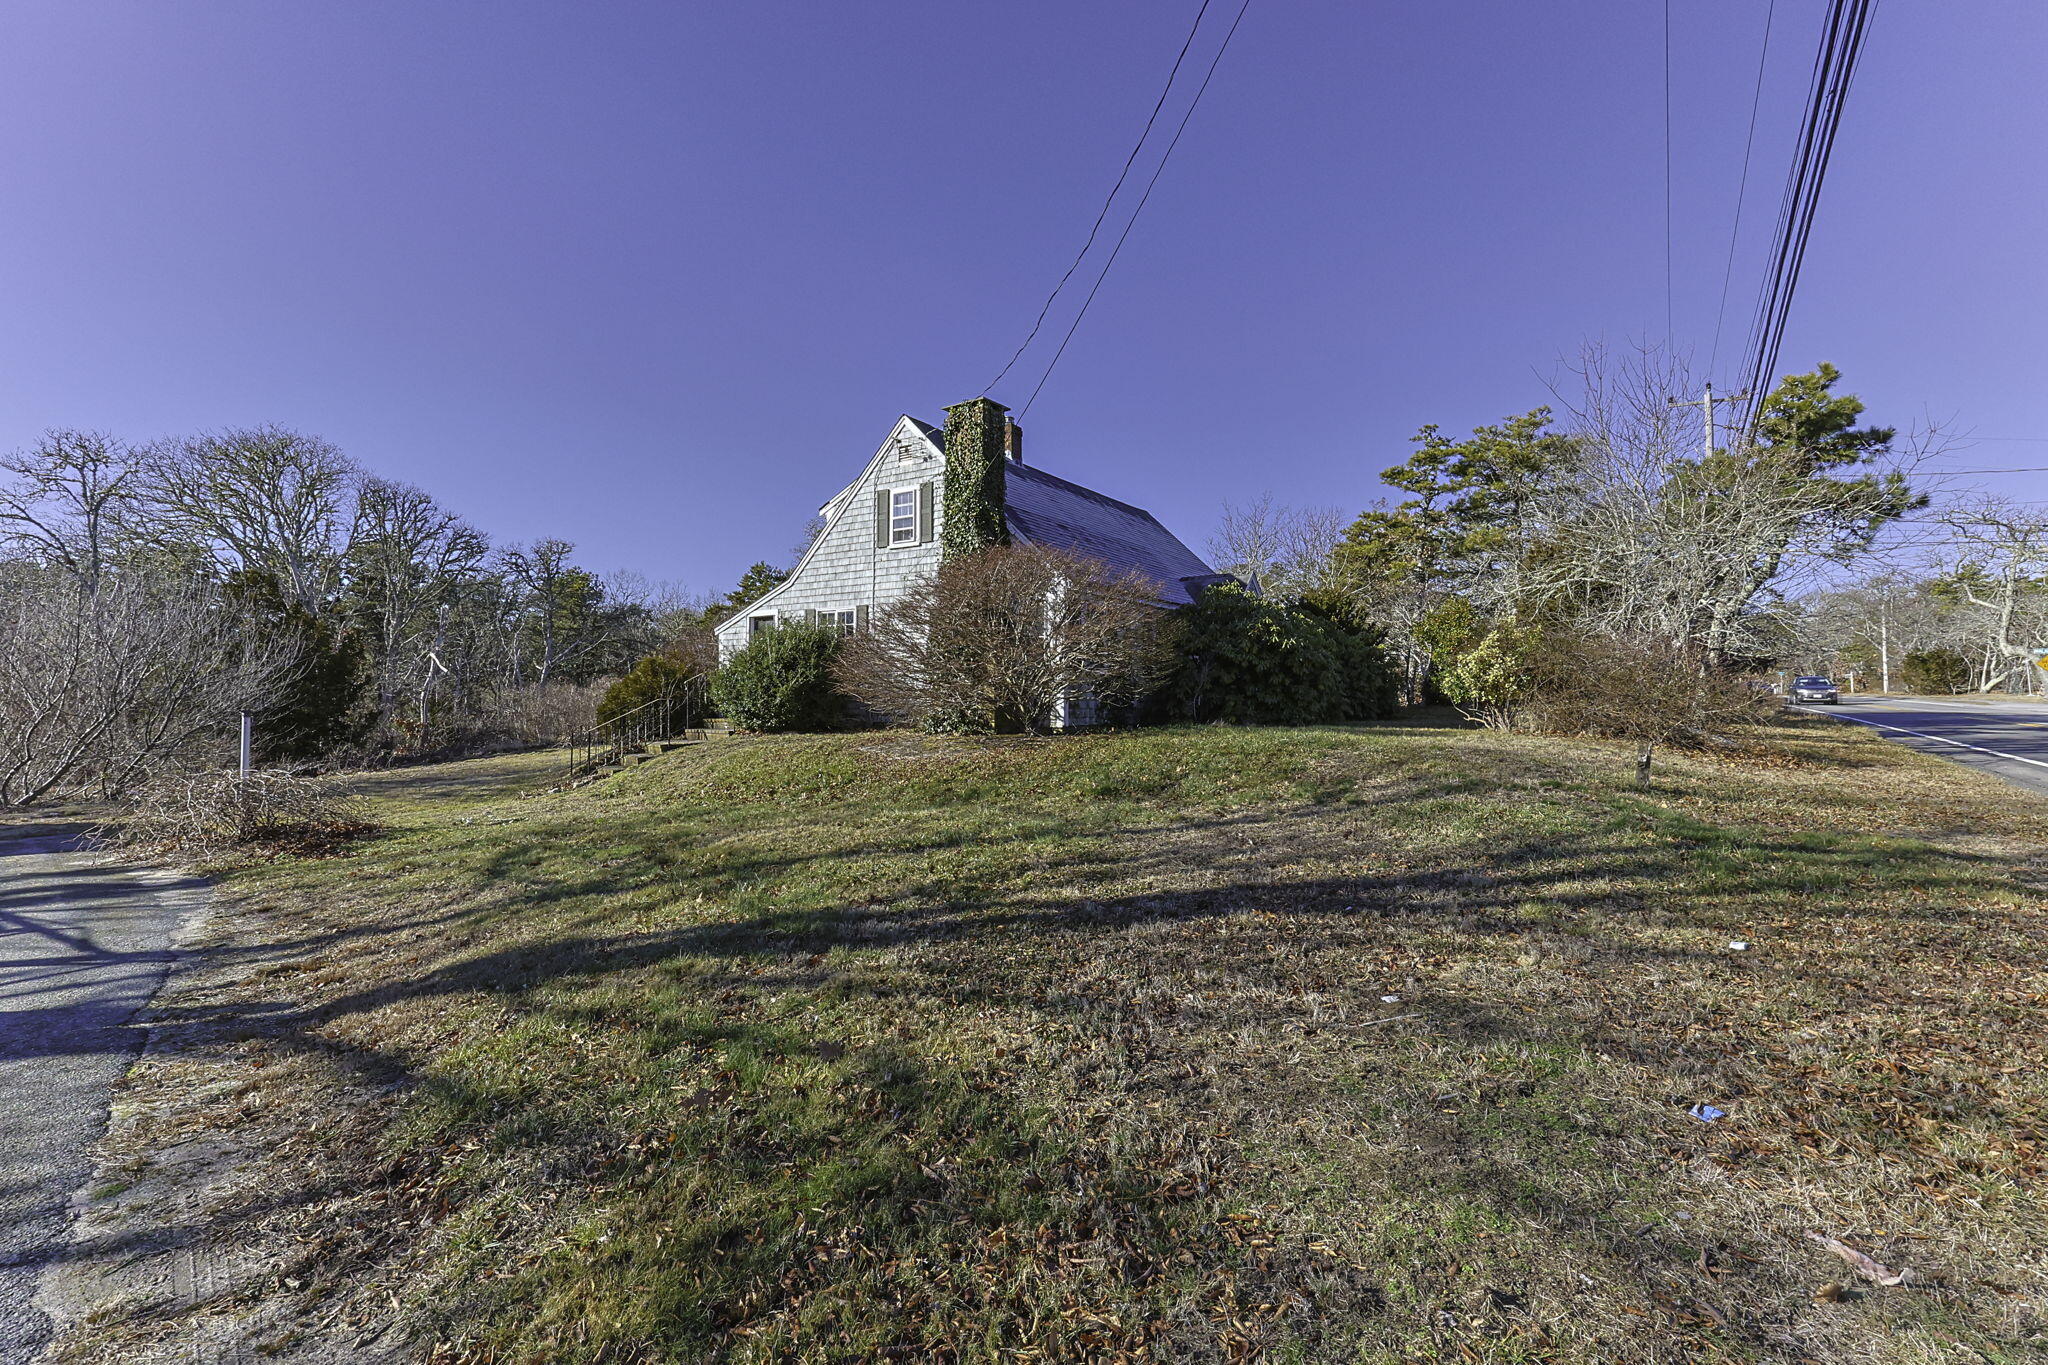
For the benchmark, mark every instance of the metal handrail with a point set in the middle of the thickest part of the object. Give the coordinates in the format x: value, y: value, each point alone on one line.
x: 646, y: 723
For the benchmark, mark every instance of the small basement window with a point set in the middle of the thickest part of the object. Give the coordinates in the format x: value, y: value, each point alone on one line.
x: 903, y: 516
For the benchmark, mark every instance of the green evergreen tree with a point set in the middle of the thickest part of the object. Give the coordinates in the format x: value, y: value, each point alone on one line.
x: 321, y: 707
x: 664, y: 684
x: 1936, y: 672
x: 756, y: 583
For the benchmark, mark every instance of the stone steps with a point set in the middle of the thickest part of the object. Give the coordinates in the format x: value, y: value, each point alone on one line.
x: 714, y: 727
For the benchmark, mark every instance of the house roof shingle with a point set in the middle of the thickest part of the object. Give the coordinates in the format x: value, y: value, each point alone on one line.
x: 1044, y: 509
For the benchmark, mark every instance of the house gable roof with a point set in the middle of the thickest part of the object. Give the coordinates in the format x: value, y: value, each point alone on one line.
x: 906, y: 426
x: 1044, y: 509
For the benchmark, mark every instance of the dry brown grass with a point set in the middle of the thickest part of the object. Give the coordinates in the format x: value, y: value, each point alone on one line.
x: 836, y: 1049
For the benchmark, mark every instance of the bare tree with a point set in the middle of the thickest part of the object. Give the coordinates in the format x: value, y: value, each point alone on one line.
x: 103, y: 688
x: 1657, y: 532
x: 64, y: 502
x: 409, y: 563
x: 1005, y: 639
x: 1997, y: 562
x: 1287, y: 550
x: 261, y: 499
x: 554, y: 596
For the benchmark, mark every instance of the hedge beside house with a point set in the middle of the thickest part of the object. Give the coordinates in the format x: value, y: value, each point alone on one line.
x: 1250, y: 661
x: 782, y: 680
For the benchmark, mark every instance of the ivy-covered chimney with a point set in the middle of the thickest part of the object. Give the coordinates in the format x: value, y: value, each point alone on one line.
x: 977, y: 442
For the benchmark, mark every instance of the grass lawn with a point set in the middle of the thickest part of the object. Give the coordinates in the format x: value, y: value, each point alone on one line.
x: 1187, y: 1045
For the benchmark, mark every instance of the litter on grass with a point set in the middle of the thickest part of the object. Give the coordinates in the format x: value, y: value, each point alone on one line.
x: 1864, y: 1265
x: 1707, y: 1113
x: 1738, y: 945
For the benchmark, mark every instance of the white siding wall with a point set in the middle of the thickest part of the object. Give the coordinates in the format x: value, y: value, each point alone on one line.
x: 845, y: 569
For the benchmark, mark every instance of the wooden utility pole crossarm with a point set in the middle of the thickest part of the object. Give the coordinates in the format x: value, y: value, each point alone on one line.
x: 1706, y: 402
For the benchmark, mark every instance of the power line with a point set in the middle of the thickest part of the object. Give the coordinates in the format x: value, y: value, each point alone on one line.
x: 1143, y: 199
x: 1667, y: 171
x: 1136, y: 147
x: 1834, y: 69
x: 2023, y: 469
x: 1742, y: 185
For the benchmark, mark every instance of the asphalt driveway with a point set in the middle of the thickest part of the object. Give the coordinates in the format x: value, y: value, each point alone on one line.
x: 2008, y: 739
x: 83, y: 946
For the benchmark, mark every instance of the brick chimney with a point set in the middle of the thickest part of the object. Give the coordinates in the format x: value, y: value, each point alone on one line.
x: 978, y: 442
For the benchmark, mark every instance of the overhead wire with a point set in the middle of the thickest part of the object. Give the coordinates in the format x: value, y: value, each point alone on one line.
x: 2022, y: 469
x: 1742, y: 185
x: 1122, y: 175
x: 1667, y: 171
x: 1143, y: 199
x: 1834, y: 70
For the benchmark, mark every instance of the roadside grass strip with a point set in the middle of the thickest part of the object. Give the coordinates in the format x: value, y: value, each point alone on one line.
x: 1201, y: 1045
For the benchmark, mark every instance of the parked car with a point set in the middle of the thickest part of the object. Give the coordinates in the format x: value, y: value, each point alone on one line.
x: 1821, y: 690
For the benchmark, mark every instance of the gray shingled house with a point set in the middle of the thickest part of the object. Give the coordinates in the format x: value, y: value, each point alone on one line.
x: 883, y: 531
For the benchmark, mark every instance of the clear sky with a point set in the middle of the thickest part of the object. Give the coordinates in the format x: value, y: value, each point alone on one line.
x: 656, y: 277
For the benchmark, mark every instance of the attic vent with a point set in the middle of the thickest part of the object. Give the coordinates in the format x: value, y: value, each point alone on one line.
x: 909, y: 448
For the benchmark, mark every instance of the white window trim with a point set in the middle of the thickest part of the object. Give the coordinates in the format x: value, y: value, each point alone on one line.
x: 909, y: 532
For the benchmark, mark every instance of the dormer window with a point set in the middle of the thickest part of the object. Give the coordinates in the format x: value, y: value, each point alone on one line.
x: 903, y: 516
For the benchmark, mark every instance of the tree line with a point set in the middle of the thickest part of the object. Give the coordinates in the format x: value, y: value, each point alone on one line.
x: 150, y: 593
x: 1557, y: 567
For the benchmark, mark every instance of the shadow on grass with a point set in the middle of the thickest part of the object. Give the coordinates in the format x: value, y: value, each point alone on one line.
x: 872, y: 1125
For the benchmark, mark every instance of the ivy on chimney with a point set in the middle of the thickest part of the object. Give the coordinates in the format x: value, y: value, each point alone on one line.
x: 974, y: 478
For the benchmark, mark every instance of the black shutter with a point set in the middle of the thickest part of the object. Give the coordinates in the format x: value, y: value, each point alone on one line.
x: 881, y: 518
x: 924, y: 514
x: 860, y: 618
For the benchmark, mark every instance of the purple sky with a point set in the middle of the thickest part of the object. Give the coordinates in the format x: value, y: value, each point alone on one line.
x: 656, y: 277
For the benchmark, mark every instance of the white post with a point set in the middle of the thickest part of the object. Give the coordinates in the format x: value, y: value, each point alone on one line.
x: 1707, y: 403
x: 1884, y: 640
x: 248, y: 730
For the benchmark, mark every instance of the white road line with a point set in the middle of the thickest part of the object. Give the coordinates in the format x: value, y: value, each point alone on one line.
x: 1975, y: 708
x: 1941, y: 739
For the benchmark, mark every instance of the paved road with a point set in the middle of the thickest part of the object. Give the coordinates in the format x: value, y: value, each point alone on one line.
x: 82, y: 948
x: 1962, y: 731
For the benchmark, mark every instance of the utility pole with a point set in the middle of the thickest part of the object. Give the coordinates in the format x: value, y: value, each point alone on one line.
x: 1884, y: 637
x: 248, y: 733
x: 1706, y: 403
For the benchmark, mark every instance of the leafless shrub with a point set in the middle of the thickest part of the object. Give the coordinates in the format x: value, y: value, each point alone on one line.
x: 1642, y: 688
x: 545, y: 714
x: 214, y: 814
x: 999, y: 640
x: 101, y: 687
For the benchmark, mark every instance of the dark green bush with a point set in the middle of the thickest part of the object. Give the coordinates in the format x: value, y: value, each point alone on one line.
x: 325, y: 703
x: 1251, y: 661
x: 782, y: 680
x: 661, y: 684
x: 1935, y: 670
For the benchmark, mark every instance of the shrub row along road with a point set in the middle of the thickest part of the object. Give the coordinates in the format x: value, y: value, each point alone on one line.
x: 82, y: 947
x: 2008, y: 739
